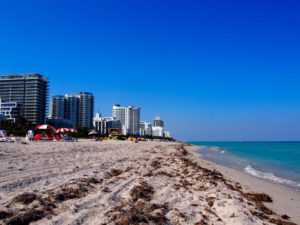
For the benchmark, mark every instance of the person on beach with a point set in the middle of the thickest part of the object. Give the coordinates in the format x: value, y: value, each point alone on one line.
x: 30, y: 135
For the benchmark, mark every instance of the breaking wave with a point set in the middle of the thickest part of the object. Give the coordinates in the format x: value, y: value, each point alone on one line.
x: 217, y: 149
x: 271, y: 177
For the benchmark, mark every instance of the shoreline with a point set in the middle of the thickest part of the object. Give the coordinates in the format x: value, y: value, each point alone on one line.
x: 267, y: 176
x: 286, y: 200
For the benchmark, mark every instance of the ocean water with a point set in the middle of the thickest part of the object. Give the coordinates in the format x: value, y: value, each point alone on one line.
x: 278, y: 162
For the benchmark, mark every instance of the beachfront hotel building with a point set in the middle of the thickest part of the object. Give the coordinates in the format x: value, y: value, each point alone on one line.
x: 86, y: 109
x: 157, y: 131
x: 57, y: 105
x: 129, y: 118
x: 103, y: 124
x: 78, y: 109
x: 27, y: 91
x: 145, y: 129
x: 71, y: 109
x: 167, y: 134
x: 158, y: 127
x: 158, y: 122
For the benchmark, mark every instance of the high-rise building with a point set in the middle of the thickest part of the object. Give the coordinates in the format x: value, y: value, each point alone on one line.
x: 29, y: 91
x: 57, y: 105
x: 71, y: 110
x: 157, y: 122
x: 77, y: 108
x: 86, y: 109
x: 129, y: 118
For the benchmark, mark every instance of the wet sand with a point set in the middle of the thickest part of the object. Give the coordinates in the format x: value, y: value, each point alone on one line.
x: 115, y: 182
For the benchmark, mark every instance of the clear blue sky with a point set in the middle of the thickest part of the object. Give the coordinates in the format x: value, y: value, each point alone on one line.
x: 213, y: 70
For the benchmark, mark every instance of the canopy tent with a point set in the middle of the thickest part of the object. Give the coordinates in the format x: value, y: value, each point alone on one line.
x: 61, y: 130
x: 93, y: 133
x: 45, y: 127
x: 73, y: 130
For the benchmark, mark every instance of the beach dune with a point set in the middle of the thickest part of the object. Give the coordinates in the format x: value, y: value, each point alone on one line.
x: 120, y: 182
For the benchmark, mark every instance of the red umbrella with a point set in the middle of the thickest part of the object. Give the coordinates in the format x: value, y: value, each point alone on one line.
x: 92, y: 133
x: 45, y: 127
x: 73, y: 130
x: 61, y: 130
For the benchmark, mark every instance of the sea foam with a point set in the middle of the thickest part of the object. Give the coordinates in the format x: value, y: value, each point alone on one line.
x: 271, y: 177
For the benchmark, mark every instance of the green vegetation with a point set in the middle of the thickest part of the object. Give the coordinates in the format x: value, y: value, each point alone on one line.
x: 19, y: 128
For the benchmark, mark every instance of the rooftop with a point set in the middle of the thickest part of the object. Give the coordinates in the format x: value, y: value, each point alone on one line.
x: 23, y: 76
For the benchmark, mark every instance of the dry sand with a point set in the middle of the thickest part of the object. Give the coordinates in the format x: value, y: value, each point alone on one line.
x: 115, y: 182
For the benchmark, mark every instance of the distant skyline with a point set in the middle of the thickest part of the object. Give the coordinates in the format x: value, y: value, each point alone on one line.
x: 212, y: 70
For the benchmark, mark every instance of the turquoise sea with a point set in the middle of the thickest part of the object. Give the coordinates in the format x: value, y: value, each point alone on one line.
x: 277, y: 162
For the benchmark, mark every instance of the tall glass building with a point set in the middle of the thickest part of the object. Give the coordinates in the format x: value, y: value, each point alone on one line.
x: 57, y: 105
x: 86, y: 109
x: 77, y: 108
x: 30, y: 91
x: 71, y: 110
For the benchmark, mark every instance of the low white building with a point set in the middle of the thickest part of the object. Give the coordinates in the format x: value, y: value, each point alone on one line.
x: 102, y: 124
x: 145, y: 129
x: 157, y: 131
x: 167, y: 134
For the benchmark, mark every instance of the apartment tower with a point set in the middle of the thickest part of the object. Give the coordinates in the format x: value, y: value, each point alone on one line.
x: 77, y: 108
x: 129, y: 118
x: 57, y: 105
x: 29, y: 91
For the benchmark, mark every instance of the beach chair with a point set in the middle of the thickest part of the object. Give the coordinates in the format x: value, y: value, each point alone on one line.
x: 66, y: 138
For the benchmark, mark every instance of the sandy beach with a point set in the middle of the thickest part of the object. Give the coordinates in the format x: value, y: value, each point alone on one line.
x: 118, y: 182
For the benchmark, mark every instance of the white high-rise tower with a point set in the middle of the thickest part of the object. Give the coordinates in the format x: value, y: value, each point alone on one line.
x: 129, y: 118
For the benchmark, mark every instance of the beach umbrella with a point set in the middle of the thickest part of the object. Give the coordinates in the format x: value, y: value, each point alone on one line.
x: 73, y: 130
x: 61, y: 130
x: 93, y: 133
x: 45, y: 127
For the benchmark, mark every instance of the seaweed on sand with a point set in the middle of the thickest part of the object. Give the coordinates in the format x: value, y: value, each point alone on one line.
x: 25, y: 198
x: 115, y: 172
x: 135, y: 216
x: 5, y: 214
x: 144, y: 191
x: 138, y: 210
x: 45, y: 205
x: 280, y: 222
x: 28, y: 216
x: 138, y: 213
x: 155, y: 164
